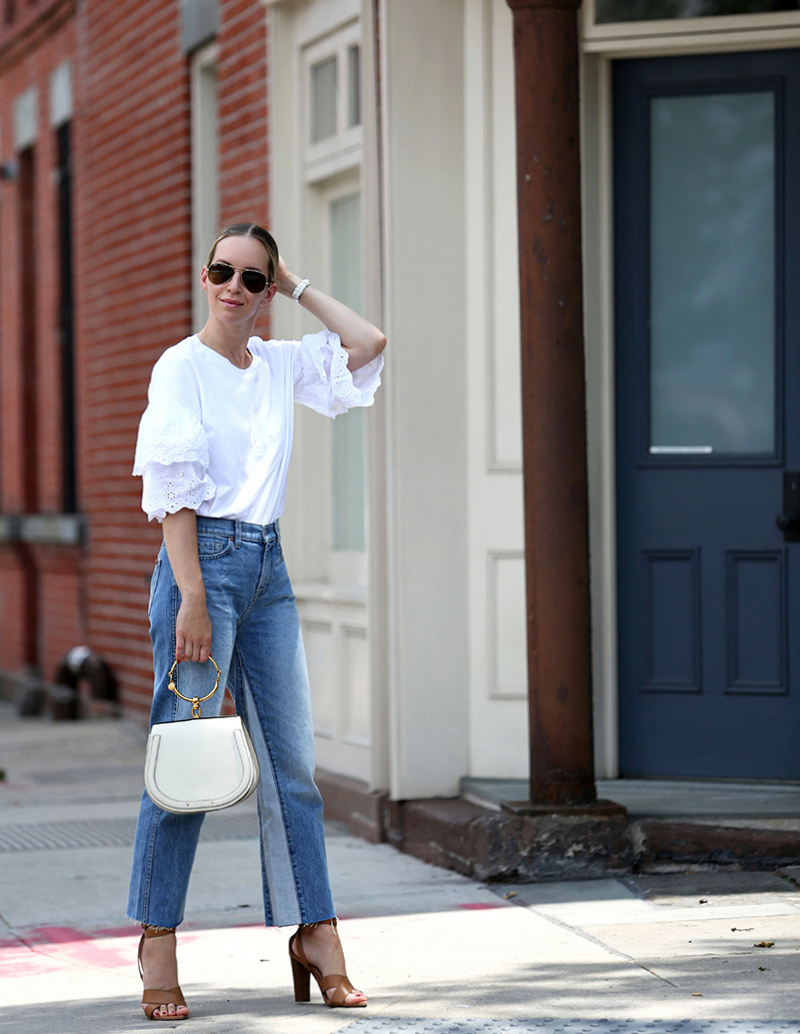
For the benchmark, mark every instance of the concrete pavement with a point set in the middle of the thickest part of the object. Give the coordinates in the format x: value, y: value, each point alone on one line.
x: 426, y: 944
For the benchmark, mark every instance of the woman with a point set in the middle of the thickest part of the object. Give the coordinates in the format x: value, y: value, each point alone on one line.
x: 213, y: 452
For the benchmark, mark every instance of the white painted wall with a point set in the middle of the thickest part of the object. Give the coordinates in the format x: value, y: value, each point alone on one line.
x: 426, y: 281
x: 442, y: 654
x: 331, y: 595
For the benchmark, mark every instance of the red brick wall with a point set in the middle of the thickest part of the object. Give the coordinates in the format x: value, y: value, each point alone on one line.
x: 135, y: 268
x: 242, y: 70
x: 32, y: 46
x: 62, y: 602
x: 12, y: 626
x: 132, y: 223
x: 133, y: 220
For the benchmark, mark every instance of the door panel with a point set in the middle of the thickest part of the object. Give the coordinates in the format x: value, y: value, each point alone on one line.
x: 757, y: 626
x: 670, y: 632
x: 707, y: 167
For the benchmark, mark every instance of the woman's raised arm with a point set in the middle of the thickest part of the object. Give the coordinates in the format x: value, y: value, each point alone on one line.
x: 362, y: 340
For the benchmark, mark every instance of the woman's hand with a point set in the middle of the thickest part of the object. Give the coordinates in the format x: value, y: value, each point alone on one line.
x: 284, y: 280
x: 192, y: 630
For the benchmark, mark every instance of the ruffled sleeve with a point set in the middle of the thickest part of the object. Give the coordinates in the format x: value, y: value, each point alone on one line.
x: 172, y: 459
x: 323, y: 381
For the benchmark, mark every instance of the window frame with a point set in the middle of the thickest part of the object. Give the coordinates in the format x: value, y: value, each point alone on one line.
x: 204, y: 171
x: 345, y: 566
x: 342, y: 150
x: 776, y: 29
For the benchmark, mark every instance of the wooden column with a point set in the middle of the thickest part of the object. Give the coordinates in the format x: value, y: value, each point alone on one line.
x: 554, y: 402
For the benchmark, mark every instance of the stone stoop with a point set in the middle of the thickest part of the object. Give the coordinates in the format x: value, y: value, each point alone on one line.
x: 517, y: 843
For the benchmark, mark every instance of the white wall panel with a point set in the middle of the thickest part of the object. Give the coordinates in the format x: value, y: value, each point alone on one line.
x: 508, y: 668
x: 498, y: 743
x: 355, y: 678
x: 500, y: 199
x: 429, y: 274
x: 320, y: 646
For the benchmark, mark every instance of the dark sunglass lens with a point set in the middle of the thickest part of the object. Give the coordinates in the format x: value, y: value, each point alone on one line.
x: 220, y: 272
x: 254, y: 281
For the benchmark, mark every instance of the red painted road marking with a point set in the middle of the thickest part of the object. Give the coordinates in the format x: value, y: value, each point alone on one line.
x: 49, y: 947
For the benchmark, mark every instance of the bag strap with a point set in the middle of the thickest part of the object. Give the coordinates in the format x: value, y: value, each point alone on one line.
x: 194, y: 701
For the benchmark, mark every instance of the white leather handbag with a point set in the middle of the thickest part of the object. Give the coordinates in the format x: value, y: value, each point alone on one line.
x: 199, y: 764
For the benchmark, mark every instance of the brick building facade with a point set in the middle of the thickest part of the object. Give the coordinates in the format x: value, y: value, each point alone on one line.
x: 386, y: 132
x: 96, y: 221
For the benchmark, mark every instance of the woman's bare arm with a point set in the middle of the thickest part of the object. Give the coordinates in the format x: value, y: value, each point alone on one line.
x: 192, y: 625
x: 362, y: 339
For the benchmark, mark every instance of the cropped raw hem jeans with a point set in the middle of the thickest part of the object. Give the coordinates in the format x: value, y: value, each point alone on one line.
x: 257, y: 644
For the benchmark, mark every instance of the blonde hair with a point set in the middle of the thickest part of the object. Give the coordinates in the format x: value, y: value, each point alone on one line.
x: 250, y: 230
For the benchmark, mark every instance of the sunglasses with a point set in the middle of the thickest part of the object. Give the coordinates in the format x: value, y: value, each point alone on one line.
x: 221, y: 272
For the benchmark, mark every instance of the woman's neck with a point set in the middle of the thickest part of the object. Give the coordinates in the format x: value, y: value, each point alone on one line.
x: 230, y: 342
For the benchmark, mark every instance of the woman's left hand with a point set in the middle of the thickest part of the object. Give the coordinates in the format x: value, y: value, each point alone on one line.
x: 284, y: 280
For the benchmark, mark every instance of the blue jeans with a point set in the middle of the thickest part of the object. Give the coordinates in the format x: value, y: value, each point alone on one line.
x: 257, y: 644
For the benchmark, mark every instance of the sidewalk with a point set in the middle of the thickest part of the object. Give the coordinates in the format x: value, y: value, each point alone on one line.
x: 434, y: 950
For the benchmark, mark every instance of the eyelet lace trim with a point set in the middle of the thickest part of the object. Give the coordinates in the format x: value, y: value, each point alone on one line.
x: 177, y: 486
x: 169, y: 433
x: 172, y: 459
x: 331, y: 388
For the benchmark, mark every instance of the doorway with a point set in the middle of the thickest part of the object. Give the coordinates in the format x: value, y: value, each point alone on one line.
x: 707, y: 347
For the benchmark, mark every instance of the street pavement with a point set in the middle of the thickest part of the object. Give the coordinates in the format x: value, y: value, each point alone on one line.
x: 435, y: 951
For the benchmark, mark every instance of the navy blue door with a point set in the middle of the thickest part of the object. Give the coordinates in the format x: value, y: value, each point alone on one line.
x: 707, y: 338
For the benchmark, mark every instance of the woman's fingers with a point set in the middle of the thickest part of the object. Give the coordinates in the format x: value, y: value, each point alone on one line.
x: 194, y: 651
x: 192, y: 632
x: 188, y: 650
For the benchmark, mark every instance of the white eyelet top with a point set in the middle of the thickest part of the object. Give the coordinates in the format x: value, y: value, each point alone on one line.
x: 217, y: 439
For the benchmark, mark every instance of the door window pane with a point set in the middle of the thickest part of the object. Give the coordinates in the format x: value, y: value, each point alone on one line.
x: 712, y: 269
x: 349, y: 432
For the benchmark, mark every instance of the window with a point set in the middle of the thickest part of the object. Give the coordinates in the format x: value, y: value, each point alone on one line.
x: 323, y: 100
x: 66, y: 320
x: 205, y: 206
x: 61, y: 113
x: 349, y: 439
x: 333, y: 150
x: 353, y: 85
x: 27, y: 340
x: 333, y: 89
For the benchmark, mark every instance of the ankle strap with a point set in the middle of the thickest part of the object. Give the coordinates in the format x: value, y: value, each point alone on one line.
x: 157, y: 931
x: 321, y: 922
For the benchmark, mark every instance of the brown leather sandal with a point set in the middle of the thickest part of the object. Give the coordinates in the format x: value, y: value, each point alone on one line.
x: 154, y: 998
x: 302, y: 970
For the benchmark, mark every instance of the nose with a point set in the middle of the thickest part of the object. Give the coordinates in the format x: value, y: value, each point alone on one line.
x: 235, y: 282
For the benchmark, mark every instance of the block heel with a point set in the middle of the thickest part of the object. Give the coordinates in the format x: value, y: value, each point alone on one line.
x: 334, y: 988
x: 302, y: 980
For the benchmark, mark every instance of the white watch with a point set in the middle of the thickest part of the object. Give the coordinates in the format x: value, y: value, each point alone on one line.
x: 299, y: 289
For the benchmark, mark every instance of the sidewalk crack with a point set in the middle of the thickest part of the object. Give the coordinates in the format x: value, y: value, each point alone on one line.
x: 594, y: 940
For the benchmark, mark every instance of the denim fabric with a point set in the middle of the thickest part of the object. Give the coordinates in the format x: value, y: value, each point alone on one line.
x: 257, y: 644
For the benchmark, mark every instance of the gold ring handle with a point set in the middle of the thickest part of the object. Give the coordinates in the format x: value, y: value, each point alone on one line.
x: 194, y: 701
